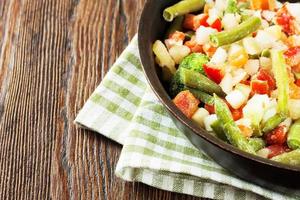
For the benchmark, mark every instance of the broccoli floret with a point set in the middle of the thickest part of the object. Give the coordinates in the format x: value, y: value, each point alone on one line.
x: 232, y: 7
x: 194, y: 61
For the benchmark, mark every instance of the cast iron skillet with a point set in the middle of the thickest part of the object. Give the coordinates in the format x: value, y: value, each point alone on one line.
x: 263, y: 172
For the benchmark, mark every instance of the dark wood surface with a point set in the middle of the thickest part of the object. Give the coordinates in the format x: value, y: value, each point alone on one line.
x: 53, y: 54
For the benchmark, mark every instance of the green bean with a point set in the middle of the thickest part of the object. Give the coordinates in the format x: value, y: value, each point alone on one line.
x: 293, y: 139
x: 181, y: 8
x: 290, y: 158
x: 218, y: 129
x: 282, y: 81
x: 273, y: 122
x: 257, y: 143
x: 244, y: 5
x: 202, y: 96
x: 176, y: 25
x: 239, y: 32
x: 198, y: 81
x: 232, y: 131
x: 232, y: 7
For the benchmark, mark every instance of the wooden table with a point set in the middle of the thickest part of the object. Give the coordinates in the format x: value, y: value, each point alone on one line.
x: 53, y: 55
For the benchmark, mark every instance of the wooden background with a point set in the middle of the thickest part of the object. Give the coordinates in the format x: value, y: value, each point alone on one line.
x: 53, y: 53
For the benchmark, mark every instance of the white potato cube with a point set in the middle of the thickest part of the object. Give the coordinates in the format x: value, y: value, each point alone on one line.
x: 294, y: 9
x: 294, y: 108
x: 245, y: 89
x: 230, y: 21
x: 209, y: 120
x: 203, y: 33
x: 199, y: 116
x: 236, y: 99
x: 251, y: 46
x: 269, y: 113
x: 226, y: 83
x: 244, y: 121
x: 238, y: 75
x: 252, y: 66
x: 219, y: 57
x: 265, y: 40
x: 265, y: 63
x: 178, y: 53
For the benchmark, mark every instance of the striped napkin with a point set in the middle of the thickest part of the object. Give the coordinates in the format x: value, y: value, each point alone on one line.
x: 155, y: 152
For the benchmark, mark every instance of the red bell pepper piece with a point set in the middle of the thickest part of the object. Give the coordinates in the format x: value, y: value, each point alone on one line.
x: 276, y: 136
x: 213, y: 73
x: 297, y: 82
x: 217, y: 25
x: 276, y: 150
x: 187, y: 103
x: 193, y: 22
x: 264, y: 75
x: 260, y: 87
x: 210, y: 108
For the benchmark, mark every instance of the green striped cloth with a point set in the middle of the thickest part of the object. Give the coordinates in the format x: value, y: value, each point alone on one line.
x: 155, y: 152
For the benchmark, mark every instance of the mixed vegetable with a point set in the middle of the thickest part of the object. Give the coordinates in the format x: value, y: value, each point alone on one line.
x: 233, y: 67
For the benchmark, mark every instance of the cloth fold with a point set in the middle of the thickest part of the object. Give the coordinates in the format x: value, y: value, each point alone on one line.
x: 124, y: 109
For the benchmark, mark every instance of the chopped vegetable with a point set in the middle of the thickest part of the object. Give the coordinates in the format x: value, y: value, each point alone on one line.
x: 227, y: 83
x: 163, y: 57
x: 198, y: 81
x: 175, y: 26
x: 178, y: 53
x: 199, y: 116
x: 209, y: 120
x: 264, y: 75
x: 251, y: 46
x: 252, y: 66
x: 263, y: 4
x: 293, y: 139
x: 239, y: 32
x: 272, y: 123
x: 203, y: 34
x: 181, y: 8
x: 195, y: 62
x: 236, y: 99
x: 276, y: 136
x: 218, y: 129
x: 257, y: 143
x: 237, y: 56
x: 193, y: 22
x: 187, y: 103
x: 259, y: 87
x: 272, y: 151
x: 213, y: 73
x: 290, y: 158
x: 294, y: 108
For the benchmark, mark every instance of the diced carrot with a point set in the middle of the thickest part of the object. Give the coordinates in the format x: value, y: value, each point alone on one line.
x: 194, y: 46
x: 177, y: 36
x: 237, y: 114
x: 297, y: 82
x: 193, y: 22
x: 247, y: 132
x: 187, y: 103
x: 260, y: 87
x: 209, y: 49
x: 263, y: 4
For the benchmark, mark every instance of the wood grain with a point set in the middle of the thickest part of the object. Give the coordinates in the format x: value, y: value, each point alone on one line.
x: 53, y: 54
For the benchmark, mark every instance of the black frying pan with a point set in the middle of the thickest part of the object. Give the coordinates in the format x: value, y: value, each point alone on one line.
x: 266, y: 173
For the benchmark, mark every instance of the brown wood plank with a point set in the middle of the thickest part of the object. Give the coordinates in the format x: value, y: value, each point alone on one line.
x: 53, y: 55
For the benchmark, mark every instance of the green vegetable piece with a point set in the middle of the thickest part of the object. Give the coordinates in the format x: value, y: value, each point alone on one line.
x: 273, y: 122
x: 195, y: 61
x: 282, y: 81
x: 219, y: 131
x: 257, y: 143
x: 176, y: 84
x: 176, y: 25
x: 181, y: 8
x: 244, y: 5
x: 198, y: 81
x: 202, y: 96
x: 239, y: 32
x: 232, y: 7
x: 232, y: 131
x: 290, y: 158
x: 266, y: 53
x: 293, y: 139
x: 222, y: 110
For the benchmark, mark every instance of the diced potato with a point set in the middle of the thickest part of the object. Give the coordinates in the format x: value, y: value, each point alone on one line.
x: 236, y: 99
x: 244, y: 121
x: 219, y: 57
x: 264, y: 153
x: 230, y: 21
x: 275, y: 31
x: 293, y: 9
x: 268, y: 15
x: 265, y: 63
x: 252, y: 66
x: 238, y: 75
x: 209, y: 120
x: 226, y: 83
x: 269, y: 113
x: 199, y: 116
x: 179, y: 52
x: 294, y: 108
x: 265, y: 40
x: 245, y: 89
x: 203, y: 33
x: 163, y: 57
x: 251, y: 46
